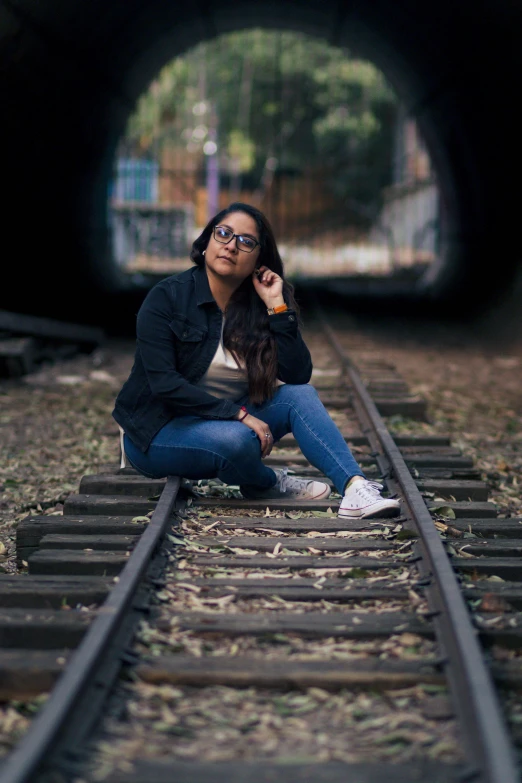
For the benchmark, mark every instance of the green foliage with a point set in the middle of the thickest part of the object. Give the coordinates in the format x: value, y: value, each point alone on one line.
x: 279, y: 95
x: 242, y: 149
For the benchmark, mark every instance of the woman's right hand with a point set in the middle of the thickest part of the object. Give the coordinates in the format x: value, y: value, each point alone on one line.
x: 262, y: 431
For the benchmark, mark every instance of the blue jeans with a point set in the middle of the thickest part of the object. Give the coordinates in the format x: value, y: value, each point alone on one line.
x: 197, y: 448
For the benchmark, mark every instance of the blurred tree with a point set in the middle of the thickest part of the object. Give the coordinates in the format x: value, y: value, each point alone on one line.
x: 354, y: 133
x: 284, y: 102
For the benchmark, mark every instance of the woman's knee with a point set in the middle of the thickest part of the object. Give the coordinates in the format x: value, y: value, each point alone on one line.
x: 297, y: 394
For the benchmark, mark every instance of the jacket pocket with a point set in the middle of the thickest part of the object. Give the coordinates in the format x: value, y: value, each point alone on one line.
x: 187, y: 332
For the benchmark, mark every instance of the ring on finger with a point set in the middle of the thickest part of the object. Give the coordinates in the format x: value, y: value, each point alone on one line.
x: 267, y: 435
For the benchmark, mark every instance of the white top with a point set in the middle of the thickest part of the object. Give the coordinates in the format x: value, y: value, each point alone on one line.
x: 225, y: 378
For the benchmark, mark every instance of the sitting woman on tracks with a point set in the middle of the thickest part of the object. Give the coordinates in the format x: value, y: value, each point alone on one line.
x: 221, y: 373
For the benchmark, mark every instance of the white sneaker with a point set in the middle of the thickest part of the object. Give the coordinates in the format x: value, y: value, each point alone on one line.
x: 363, y: 499
x: 288, y: 487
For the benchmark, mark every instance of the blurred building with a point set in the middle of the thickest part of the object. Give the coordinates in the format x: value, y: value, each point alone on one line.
x: 409, y: 219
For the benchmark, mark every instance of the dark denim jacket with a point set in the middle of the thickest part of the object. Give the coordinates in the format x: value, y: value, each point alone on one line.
x: 178, y: 331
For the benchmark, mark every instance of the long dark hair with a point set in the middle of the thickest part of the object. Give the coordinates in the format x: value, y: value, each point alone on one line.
x: 246, y: 332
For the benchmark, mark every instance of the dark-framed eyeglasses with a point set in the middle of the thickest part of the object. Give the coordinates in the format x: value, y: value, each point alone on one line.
x: 223, y: 235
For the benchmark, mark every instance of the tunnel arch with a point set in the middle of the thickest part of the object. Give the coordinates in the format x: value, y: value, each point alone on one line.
x: 71, y: 76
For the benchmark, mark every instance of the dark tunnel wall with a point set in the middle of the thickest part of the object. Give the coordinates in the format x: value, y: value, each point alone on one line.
x: 71, y: 73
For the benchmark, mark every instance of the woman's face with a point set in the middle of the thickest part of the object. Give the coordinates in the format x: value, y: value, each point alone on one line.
x: 227, y: 261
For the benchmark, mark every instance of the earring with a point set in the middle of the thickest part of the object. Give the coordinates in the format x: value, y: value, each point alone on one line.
x: 203, y: 253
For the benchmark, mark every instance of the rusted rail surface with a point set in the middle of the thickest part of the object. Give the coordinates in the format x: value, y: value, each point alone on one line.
x: 72, y: 695
x: 243, y: 556
x: 483, y: 726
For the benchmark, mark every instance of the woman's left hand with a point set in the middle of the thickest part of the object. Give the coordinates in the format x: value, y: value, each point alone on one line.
x: 268, y: 286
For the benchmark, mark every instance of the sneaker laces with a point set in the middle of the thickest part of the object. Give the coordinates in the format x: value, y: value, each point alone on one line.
x: 368, y: 490
x: 288, y: 483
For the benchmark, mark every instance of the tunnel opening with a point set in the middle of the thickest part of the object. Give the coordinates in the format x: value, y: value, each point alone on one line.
x: 71, y: 79
x: 314, y: 137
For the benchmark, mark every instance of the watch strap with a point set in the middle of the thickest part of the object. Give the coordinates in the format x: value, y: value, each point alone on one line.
x: 279, y: 309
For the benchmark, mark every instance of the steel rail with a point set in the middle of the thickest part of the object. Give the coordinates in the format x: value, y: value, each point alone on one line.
x: 484, y: 730
x: 26, y: 759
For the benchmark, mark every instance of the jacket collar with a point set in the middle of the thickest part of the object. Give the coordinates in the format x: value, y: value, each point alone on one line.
x: 202, y: 288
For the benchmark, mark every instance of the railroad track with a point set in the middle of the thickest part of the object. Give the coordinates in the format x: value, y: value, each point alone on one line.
x: 183, y: 633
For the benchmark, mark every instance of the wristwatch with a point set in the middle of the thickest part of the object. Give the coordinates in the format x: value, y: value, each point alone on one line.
x: 279, y: 309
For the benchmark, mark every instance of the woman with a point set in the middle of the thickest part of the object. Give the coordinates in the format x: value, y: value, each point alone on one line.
x: 221, y: 373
